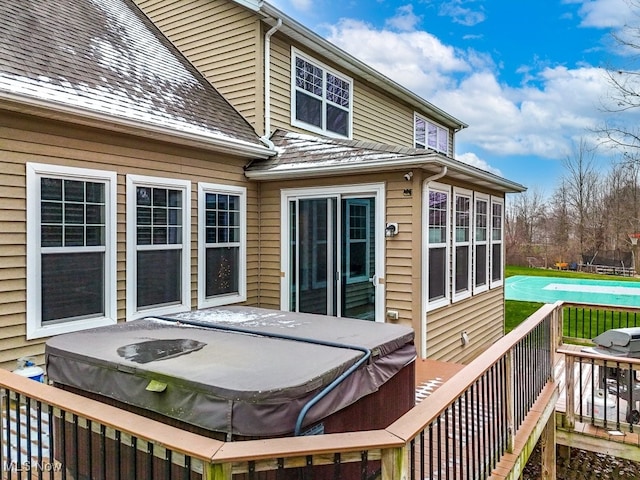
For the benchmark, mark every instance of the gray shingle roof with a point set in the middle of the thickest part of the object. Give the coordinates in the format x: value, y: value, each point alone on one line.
x: 297, y: 150
x: 106, y: 57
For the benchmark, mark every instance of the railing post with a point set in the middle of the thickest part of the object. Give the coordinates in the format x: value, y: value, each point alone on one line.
x: 395, y: 463
x: 217, y: 471
x: 511, y: 402
x: 570, y: 414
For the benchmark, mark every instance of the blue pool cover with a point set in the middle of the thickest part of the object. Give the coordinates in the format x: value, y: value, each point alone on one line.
x: 552, y: 289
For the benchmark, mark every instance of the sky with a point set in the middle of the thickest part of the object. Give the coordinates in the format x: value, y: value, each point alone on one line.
x: 529, y: 77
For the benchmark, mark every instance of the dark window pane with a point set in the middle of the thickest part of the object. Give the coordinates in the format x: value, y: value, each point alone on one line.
x: 95, y: 192
x: 222, y: 271
x: 95, y: 214
x: 175, y: 198
x: 72, y: 285
x: 51, y: 189
x: 175, y: 216
x: 223, y: 219
x: 437, y: 277
x: 234, y: 202
x: 95, y: 236
x: 159, y: 216
x: 143, y: 196
x: 211, y: 235
x: 158, y: 277
x: 496, y: 262
x: 210, y: 200
x: 73, y: 236
x: 159, y: 197
x: 175, y: 235
x: 73, y: 191
x: 160, y: 235
x: 462, y: 269
x: 143, y: 216
x: 358, y: 259
x: 211, y: 219
x: 144, y: 236
x: 74, y: 213
x: 481, y: 265
x: 337, y: 120
x: 223, y: 202
x: 51, y: 212
x: 308, y: 109
x: 51, y: 235
x: 234, y: 234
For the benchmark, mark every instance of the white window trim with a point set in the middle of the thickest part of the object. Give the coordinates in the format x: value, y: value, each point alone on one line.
x: 312, y: 128
x: 134, y: 181
x: 367, y: 242
x: 492, y: 242
x: 459, y: 192
x: 34, y: 172
x: 484, y: 198
x: 446, y: 300
x: 241, y: 296
x: 416, y: 115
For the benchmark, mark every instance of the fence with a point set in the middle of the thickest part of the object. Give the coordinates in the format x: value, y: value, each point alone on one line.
x: 462, y: 431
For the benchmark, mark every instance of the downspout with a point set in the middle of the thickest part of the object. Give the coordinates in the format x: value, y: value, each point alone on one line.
x: 425, y: 275
x: 267, y: 83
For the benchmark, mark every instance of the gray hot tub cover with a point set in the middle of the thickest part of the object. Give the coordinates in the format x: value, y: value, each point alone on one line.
x: 233, y: 383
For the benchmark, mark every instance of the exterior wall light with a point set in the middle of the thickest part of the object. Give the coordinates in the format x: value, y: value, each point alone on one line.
x: 391, y: 230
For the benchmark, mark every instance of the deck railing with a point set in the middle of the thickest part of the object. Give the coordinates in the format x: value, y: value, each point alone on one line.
x: 582, y: 322
x: 461, y: 431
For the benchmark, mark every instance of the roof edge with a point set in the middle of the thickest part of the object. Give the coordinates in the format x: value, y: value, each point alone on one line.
x: 421, y: 161
x: 86, y: 117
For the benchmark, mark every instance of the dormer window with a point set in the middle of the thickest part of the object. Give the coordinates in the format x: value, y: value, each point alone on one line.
x: 321, y: 98
x: 430, y: 135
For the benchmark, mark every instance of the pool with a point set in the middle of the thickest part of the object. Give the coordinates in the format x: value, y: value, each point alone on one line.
x: 552, y: 289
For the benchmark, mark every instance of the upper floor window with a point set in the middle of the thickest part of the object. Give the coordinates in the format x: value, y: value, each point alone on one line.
x: 71, y: 249
x: 222, y: 245
x: 158, y: 246
x: 430, y: 135
x: 321, y: 98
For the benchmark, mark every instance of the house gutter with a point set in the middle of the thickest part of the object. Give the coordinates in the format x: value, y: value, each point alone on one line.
x: 84, y: 116
x: 267, y: 83
x: 303, y: 170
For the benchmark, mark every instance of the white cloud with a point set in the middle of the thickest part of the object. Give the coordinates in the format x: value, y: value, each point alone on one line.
x: 605, y: 13
x: 473, y: 160
x: 404, y: 20
x: 541, y: 117
x: 460, y: 13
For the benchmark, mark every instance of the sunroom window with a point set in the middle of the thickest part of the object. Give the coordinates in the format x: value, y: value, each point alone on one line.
x: 462, y: 244
x: 321, y: 98
x: 438, y: 211
x: 428, y: 134
x: 71, y: 249
x: 497, y: 217
x: 481, y: 244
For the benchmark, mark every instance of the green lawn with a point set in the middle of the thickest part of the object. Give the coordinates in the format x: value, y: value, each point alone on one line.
x: 516, y: 312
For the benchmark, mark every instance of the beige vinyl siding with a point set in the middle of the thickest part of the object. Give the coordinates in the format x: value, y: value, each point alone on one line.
x: 481, y: 316
x: 223, y: 41
x: 25, y: 140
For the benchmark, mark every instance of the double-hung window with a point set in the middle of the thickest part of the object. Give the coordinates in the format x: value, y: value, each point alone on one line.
x: 428, y: 134
x: 321, y: 99
x: 497, y: 218
x: 158, y: 246
x: 462, y: 244
x: 71, y: 249
x: 481, y: 244
x: 221, y: 245
x: 437, y: 213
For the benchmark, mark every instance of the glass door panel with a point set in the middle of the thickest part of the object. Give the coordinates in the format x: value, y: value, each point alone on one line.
x: 358, y: 258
